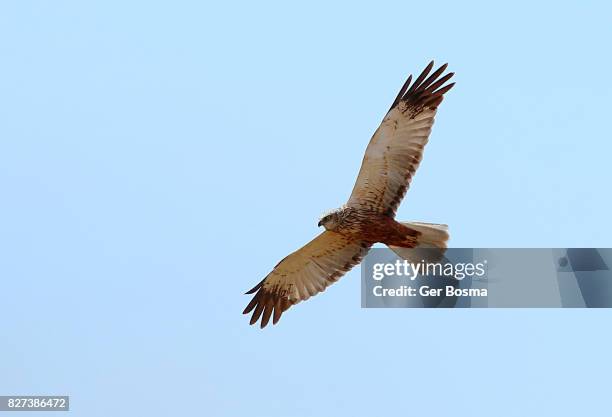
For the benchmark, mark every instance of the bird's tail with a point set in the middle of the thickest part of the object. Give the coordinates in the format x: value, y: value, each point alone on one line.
x: 432, y: 235
x: 431, y: 242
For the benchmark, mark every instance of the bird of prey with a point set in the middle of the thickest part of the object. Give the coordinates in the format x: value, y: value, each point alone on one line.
x: 390, y: 161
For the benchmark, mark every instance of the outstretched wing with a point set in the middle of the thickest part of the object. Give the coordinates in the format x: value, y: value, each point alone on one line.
x: 304, y: 273
x: 396, y: 149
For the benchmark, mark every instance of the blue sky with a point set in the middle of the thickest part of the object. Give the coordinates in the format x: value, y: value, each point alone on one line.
x: 158, y: 158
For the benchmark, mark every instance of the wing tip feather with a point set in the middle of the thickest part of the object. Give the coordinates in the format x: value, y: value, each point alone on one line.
x: 425, y: 91
x: 266, y: 305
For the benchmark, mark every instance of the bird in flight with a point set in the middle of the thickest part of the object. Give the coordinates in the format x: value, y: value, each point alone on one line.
x: 389, y: 163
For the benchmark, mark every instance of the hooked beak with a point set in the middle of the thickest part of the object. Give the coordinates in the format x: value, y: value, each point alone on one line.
x: 320, y: 223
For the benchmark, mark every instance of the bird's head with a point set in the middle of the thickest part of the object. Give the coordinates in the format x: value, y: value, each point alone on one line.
x: 330, y: 220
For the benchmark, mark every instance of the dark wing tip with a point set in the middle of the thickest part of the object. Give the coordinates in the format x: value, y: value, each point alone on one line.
x: 255, y: 288
x: 425, y: 91
x: 266, y: 305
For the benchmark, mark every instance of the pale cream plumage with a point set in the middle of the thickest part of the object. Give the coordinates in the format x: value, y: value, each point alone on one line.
x: 306, y: 272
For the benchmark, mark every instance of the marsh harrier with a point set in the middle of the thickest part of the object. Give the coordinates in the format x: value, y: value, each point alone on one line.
x: 390, y: 161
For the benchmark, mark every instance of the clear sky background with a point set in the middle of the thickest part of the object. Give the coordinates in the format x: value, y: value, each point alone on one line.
x: 158, y: 158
